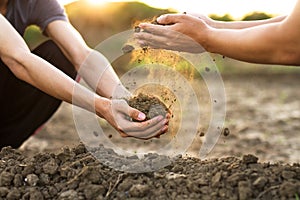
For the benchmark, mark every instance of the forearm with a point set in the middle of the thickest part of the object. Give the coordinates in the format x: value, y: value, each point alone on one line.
x: 94, y: 68
x: 50, y: 80
x: 269, y: 43
x: 99, y: 74
x: 39, y: 73
x: 244, y: 24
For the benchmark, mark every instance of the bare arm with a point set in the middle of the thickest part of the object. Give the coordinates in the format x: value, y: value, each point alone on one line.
x: 237, y: 24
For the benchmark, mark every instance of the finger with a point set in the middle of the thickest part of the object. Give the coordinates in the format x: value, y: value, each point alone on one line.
x: 153, y: 29
x: 128, y: 126
x: 154, y: 131
x: 170, y: 18
x: 165, y: 130
x: 153, y: 41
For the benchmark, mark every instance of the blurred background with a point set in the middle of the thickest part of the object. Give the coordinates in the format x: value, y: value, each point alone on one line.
x: 97, y: 20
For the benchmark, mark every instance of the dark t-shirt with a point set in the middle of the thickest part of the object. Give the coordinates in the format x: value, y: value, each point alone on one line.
x: 22, y: 13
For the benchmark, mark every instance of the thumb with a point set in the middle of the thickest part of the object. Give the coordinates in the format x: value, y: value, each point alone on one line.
x: 136, y: 114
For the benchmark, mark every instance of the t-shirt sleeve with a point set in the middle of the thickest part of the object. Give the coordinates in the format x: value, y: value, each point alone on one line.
x: 46, y: 11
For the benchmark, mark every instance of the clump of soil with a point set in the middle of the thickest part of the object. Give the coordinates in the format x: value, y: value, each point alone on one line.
x: 151, y: 106
x: 76, y: 174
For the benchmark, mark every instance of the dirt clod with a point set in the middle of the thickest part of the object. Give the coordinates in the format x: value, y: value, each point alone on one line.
x: 151, y: 106
x: 139, y: 190
x: 248, y: 159
x: 127, y: 48
x: 32, y: 179
x: 6, y: 178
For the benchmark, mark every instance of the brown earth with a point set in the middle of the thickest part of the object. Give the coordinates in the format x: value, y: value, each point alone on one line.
x: 151, y: 106
x: 76, y: 174
x: 263, y: 114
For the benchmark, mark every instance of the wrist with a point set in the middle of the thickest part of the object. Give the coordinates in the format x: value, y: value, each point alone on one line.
x: 121, y: 92
x: 102, y: 105
x: 204, y: 39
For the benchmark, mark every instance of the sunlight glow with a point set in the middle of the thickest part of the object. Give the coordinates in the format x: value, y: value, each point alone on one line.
x: 97, y: 2
x: 236, y: 8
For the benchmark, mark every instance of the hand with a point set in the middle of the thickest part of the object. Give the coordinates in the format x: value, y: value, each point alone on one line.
x: 179, y: 32
x: 119, y: 114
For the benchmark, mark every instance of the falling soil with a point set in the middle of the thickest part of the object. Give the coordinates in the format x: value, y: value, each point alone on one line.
x: 226, y: 132
x: 149, y: 105
x: 127, y: 48
x: 76, y: 174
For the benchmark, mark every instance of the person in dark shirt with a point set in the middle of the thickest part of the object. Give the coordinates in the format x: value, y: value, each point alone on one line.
x: 33, y: 84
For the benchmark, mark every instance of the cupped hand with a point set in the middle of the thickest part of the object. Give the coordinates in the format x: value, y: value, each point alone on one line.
x: 129, y: 122
x: 179, y: 32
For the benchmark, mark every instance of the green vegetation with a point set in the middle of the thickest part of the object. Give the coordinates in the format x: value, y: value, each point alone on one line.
x: 225, y: 18
x: 256, y: 16
x: 33, y: 36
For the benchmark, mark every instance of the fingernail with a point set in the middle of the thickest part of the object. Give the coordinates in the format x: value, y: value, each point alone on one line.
x: 141, y: 116
x: 164, y: 121
x: 164, y: 129
x: 159, y: 118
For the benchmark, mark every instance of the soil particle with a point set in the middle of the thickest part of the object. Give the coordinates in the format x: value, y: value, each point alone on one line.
x: 139, y: 190
x: 260, y: 182
x: 216, y: 179
x: 244, y: 190
x: 226, y: 132
x: 32, y: 179
x: 13, y: 194
x: 207, y: 69
x: 44, y: 179
x: 289, y: 189
x: 50, y: 167
x: 137, y: 29
x: 69, y: 194
x: 125, y: 185
x: 3, y: 191
x: 202, y: 134
x: 34, y: 194
x: 248, y: 159
x: 92, y: 191
x: 127, y: 48
x: 18, y: 180
x: 6, y: 178
x: 288, y: 174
